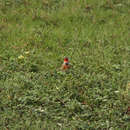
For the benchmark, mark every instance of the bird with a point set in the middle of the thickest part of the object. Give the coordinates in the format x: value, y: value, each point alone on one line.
x: 65, y: 65
x: 128, y: 111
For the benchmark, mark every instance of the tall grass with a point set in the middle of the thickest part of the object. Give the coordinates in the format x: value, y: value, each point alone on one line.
x: 35, y: 36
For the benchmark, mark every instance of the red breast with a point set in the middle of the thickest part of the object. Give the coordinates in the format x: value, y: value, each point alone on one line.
x: 66, y: 59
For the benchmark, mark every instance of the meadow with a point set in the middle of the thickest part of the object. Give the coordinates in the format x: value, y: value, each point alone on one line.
x: 35, y: 36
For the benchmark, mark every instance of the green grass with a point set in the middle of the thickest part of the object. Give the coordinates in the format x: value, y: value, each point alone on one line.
x: 35, y: 36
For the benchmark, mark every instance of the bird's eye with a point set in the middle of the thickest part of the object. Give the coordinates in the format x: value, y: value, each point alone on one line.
x: 66, y: 63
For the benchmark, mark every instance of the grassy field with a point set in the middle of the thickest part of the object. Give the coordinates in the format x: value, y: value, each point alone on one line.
x: 35, y: 36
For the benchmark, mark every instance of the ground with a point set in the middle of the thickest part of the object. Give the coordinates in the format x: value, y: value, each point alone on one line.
x: 35, y: 36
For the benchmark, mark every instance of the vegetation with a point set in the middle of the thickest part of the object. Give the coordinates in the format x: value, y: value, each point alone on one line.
x: 35, y: 36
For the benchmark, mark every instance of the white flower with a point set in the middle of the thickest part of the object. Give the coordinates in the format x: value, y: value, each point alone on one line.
x: 21, y: 57
x: 116, y: 91
x: 27, y: 52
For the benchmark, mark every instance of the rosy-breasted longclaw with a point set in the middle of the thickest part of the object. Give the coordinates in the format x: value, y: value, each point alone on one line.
x: 65, y: 65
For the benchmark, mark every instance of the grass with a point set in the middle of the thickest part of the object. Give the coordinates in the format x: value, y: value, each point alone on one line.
x: 35, y: 36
